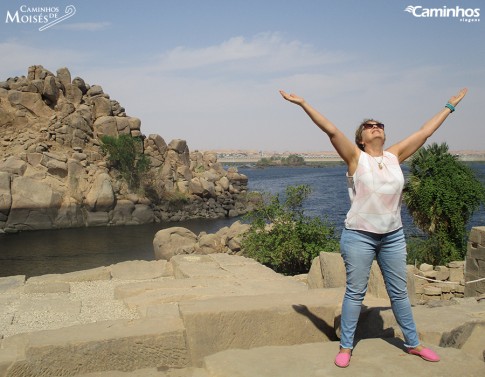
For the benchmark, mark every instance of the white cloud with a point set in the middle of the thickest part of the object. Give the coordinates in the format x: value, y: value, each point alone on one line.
x: 266, y: 52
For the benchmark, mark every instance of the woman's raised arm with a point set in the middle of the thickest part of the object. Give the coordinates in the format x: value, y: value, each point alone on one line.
x: 412, y: 143
x: 344, y: 147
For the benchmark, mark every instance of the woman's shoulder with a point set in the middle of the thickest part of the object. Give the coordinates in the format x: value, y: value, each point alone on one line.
x: 390, y: 155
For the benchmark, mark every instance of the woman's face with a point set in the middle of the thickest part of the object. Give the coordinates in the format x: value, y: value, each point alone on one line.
x: 372, y: 130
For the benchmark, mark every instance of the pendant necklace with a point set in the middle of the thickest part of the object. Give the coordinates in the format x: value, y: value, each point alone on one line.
x: 379, y: 163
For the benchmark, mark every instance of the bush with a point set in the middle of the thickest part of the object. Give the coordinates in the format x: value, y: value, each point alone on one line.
x: 124, y: 154
x: 282, y: 237
x: 441, y: 195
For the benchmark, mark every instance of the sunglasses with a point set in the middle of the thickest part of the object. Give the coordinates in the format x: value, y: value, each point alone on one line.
x: 368, y: 126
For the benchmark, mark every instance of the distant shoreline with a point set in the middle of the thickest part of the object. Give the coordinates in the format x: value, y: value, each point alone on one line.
x: 330, y: 159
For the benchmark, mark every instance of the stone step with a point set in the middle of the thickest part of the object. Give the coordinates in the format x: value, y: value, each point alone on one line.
x: 245, y: 322
x: 371, y: 358
x: 151, y: 372
x: 108, y: 345
x: 189, y: 333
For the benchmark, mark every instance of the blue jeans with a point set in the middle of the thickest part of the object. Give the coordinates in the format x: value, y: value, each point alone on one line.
x: 358, y: 250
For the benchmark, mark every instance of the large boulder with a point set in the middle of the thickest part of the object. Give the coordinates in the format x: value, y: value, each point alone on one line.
x: 159, y: 143
x: 50, y: 91
x: 101, y: 196
x: 173, y: 241
x: 32, y: 102
x: 5, y: 193
x: 178, y: 145
x: 13, y: 165
x: 102, y: 107
x: 34, y: 204
x: 105, y: 125
x: 64, y: 76
x: 210, y: 243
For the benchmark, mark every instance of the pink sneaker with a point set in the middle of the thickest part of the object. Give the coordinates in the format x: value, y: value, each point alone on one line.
x: 425, y: 354
x: 342, y: 360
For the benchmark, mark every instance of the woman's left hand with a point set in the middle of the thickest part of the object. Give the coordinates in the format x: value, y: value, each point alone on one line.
x: 456, y: 99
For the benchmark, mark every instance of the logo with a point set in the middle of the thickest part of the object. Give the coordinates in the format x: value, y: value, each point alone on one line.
x: 44, y: 16
x: 462, y: 14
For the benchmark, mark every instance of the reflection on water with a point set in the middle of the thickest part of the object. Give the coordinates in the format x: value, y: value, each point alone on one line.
x: 65, y: 250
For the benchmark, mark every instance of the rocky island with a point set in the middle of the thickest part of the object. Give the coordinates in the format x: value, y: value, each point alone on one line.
x: 54, y: 174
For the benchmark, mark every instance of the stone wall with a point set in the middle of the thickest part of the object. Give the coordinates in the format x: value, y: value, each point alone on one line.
x: 53, y: 173
x: 436, y: 283
x: 426, y: 283
x: 475, y: 263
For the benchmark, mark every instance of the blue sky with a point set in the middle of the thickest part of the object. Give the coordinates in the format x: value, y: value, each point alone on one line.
x: 209, y: 71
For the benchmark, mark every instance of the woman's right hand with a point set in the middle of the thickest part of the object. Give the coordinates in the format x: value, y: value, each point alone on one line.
x: 456, y: 99
x: 292, y: 98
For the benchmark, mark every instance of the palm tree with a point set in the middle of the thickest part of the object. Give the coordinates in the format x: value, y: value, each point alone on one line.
x: 441, y: 195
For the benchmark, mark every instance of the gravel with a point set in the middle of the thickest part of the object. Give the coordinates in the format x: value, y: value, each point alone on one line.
x: 87, y: 302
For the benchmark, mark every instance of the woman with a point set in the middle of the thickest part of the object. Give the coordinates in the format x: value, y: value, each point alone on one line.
x: 373, y: 226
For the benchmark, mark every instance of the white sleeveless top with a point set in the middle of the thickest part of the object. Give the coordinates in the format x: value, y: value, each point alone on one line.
x: 375, y: 194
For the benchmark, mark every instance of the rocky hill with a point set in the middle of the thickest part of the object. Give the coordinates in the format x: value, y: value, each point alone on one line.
x: 53, y: 173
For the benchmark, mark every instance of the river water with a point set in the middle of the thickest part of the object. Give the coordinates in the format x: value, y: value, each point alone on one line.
x: 65, y: 250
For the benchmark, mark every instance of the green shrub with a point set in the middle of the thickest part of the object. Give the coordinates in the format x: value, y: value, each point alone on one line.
x: 124, y: 154
x: 282, y: 237
x: 441, y: 195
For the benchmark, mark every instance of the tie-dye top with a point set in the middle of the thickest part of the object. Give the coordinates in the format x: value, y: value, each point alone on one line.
x: 375, y: 194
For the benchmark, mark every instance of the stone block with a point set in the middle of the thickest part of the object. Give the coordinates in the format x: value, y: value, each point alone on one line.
x: 152, y: 372
x: 48, y: 287
x: 109, y: 345
x: 197, y: 266
x: 477, y: 253
x: 7, y: 358
x: 447, y: 296
x: 190, y: 290
x: 459, y: 288
x: 432, y: 290
x: 447, y: 288
x: 471, y: 267
x: 374, y: 357
x: 456, y: 264
x: 333, y: 270
x: 315, y: 278
x: 163, y: 311
x: 456, y: 274
x: 99, y: 273
x: 428, y: 298
x: 474, y: 344
x: 425, y: 267
x: 139, y: 270
x: 431, y: 274
x: 376, y: 285
x: 443, y: 273
x: 245, y: 322
x: 11, y: 283
x: 477, y: 235
x: 135, y: 289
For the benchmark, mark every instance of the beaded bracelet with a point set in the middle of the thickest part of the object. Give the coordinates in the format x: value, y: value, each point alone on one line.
x: 450, y: 106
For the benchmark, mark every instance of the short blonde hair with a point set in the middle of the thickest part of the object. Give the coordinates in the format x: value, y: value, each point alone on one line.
x: 358, y: 132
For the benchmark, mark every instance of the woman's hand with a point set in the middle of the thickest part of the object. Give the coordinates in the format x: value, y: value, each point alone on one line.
x: 292, y: 98
x: 456, y: 99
